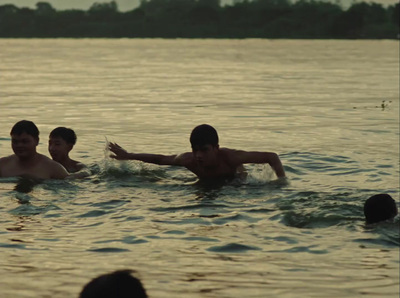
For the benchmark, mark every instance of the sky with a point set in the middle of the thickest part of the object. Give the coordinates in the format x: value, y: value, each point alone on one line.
x: 126, y: 5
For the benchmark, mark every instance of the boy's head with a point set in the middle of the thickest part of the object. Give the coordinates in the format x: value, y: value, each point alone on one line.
x: 118, y: 284
x: 203, y: 135
x: 67, y: 134
x: 379, y: 207
x: 204, y: 141
x: 24, y: 138
x: 25, y: 126
x: 61, y: 142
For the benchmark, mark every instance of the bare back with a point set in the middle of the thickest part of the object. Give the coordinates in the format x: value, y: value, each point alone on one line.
x: 225, y: 168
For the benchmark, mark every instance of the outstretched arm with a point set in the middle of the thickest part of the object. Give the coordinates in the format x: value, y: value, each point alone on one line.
x: 242, y: 157
x: 121, y: 154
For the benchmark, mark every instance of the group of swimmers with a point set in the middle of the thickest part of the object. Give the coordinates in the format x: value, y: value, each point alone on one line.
x: 207, y: 160
x: 27, y: 162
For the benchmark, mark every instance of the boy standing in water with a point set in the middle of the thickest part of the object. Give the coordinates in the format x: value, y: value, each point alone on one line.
x: 61, y: 142
x: 207, y: 160
x: 25, y: 161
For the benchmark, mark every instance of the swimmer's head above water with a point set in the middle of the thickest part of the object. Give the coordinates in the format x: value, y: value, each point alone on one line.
x: 379, y: 207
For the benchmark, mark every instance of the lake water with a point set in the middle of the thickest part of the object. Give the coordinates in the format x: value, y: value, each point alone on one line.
x: 316, y: 103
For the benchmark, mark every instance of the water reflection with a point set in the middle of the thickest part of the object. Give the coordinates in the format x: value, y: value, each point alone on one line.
x: 26, y: 184
x: 248, y: 238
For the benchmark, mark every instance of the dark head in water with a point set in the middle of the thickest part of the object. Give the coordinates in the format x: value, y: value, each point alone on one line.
x: 118, y: 284
x: 379, y: 207
x: 203, y: 135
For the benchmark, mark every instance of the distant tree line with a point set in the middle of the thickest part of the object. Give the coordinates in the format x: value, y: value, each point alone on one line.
x: 206, y: 19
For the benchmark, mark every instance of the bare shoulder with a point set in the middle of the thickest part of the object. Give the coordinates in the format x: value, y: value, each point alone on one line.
x: 47, y: 160
x: 6, y: 163
x: 229, y: 151
x: 237, y: 157
x: 56, y: 168
x: 231, y: 155
x: 184, y: 159
x: 7, y: 159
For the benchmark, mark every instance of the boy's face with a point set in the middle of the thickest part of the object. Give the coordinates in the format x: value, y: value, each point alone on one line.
x: 58, y: 148
x: 24, y: 145
x: 206, y: 155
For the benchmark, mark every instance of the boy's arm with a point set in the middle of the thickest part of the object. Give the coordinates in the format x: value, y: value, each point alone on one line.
x: 80, y: 167
x: 79, y: 175
x: 159, y: 159
x: 59, y: 172
x: 271, y: 158
x: 83, y: 172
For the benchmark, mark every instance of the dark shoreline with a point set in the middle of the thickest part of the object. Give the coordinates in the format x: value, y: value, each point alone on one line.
x: 199, y: 19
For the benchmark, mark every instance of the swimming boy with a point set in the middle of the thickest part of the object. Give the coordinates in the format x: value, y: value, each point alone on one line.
x: 207, y: 160
x: 61, y: 142
x: 379, y: 208
x: 26, y: 162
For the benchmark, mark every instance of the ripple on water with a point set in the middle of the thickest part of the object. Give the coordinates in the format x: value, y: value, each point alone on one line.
x: 285, y: 239
x: 233, y: 248
x: 320, y: 210
x: 134, y: 218
x: 203, y: 239
x: 94, y: 213
x: 261, y: 210
x: 236, y: 218
x: 300, y: 249
x: 175, y: 232
x: 190, y: 238
x: 312, y: 162
x: 111, y: 203
x: 133, y: 240
x: 189, y: 207
x: 13, y: 245
x: 384, y: 233
x: 109, y: 250
x: 185, y: 221
x: 127, y: 240
x: 29, y: 209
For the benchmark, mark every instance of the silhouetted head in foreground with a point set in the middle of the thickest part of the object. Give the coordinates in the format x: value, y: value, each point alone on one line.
x: 379, y: 208
x: 118, y: 284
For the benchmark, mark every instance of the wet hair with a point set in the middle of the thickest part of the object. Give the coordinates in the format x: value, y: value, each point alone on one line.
x: 67, y: 134
x: 118, y: 284
x: 203, y: 134
x: 379, y: 207
x: 25, y: 126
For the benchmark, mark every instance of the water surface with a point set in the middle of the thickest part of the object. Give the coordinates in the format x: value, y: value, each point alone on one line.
x: 316, y: 103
